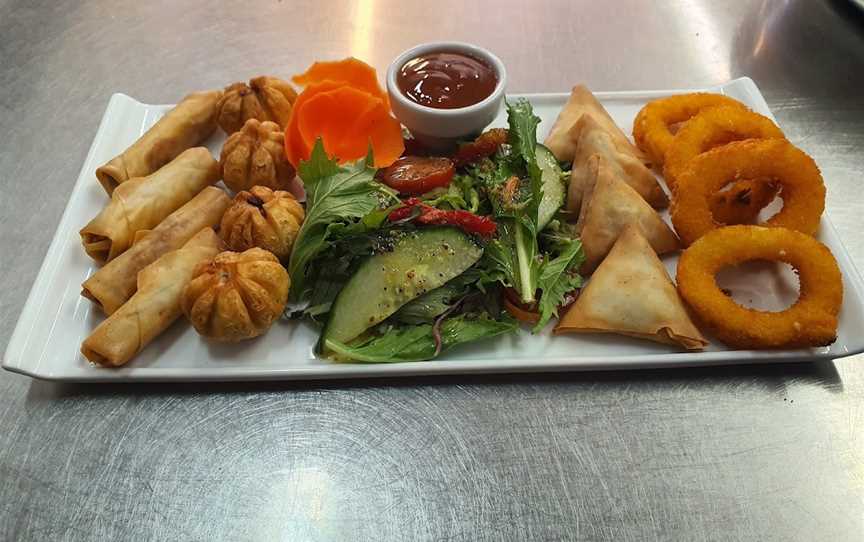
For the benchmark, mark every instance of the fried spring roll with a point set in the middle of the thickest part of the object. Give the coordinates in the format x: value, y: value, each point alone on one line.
x: 112, y: 285
x: 142, y: 203
x: 187, y: 125
x: 154, y: 306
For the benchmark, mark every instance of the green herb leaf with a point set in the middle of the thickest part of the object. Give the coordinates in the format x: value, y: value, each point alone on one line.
x: 558, y: 277
x: 460, y: 194
x: 427, y: 307
x: 416, y: 343
x: 347, y: 246
x: 334, y: 194
x: 515, y: 188
x: 522, y: 136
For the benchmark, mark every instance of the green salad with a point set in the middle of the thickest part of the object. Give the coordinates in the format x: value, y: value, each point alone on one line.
x: 391, y: 278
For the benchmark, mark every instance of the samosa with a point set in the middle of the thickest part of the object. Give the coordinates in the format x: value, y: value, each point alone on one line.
x: 591, y: 139
x: 583, y: 102
x: 610, y: 206
x: 631, y: 294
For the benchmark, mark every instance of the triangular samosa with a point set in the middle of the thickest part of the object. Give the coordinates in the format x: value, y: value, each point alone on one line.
x: 591, y: 139
x: 582, y: 102
x: 610, y: 206
x: 631, y: 294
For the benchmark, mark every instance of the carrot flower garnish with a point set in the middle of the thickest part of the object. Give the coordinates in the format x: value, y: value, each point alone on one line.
x: 343, y: 104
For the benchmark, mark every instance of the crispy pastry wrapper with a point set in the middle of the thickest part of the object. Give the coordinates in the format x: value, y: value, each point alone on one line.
x: 610, y: 206
x: 142, y: 203
x: 255, y: 156
x: 115, y: 283
x: 262, y: 218
x: 188, y: 124
x: 592, y: 139
x: 631, y: 294
x: 237, y: 295
x: 154, y: 306
x: 583, y: 102
x: 265, y: 98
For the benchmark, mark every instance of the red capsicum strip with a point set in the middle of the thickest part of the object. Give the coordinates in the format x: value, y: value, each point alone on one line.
x: 468, y: 222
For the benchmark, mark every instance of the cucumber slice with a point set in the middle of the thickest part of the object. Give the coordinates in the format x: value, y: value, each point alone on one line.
x: 554, y: 190
x: 420, y: 261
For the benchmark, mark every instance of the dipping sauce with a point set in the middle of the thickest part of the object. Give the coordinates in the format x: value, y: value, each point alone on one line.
x: 447, y: 80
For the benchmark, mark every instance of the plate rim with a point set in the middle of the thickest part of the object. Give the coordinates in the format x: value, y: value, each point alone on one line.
x: 19, y: 340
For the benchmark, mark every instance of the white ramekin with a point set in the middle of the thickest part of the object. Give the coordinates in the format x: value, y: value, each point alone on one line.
x: 440, y: 127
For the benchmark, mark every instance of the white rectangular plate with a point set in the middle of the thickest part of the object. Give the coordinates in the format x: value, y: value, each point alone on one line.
x: 55, y: 319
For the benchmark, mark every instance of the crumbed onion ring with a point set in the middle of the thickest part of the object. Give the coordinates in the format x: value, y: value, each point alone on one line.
x: 716, y: 126
x: 711, y: 128
x: 810, y: 321
x: 802, y: 189
x: 651, y: 128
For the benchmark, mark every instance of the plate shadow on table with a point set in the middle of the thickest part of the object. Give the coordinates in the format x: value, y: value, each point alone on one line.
x: 774, y: 378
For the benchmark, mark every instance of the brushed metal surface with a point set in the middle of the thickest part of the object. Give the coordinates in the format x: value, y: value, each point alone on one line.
x: 761, y: 453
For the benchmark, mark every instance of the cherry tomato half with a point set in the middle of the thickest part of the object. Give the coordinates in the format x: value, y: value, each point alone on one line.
x: 418, y: 174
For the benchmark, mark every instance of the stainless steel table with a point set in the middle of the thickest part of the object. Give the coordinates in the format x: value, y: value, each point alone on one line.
x: 758, y: 453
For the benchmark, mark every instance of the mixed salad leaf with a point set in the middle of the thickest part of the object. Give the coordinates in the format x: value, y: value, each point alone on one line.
x: 418, y: 342
x: 492, y: 206
x: 516, y: 254
x: 559, y: 277
x: 334, y: 196
x: 515, y: 190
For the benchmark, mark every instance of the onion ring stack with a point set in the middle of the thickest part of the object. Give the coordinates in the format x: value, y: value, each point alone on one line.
x: 706, y: 121
x: 721, y: 144
x: 810, y: 321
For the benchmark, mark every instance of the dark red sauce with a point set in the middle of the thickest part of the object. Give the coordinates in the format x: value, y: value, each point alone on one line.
x: 447, y: 80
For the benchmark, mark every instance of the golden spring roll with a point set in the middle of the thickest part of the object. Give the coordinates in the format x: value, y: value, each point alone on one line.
x: 187, y: 125
x: 115, y: 283
x: 142, y: 203
x: 154, y: 306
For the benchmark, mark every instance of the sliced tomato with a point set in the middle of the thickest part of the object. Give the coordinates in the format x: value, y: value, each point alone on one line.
x: 418, y: 174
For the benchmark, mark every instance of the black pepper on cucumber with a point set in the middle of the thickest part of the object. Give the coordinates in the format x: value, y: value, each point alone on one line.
x: 420, y: 261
